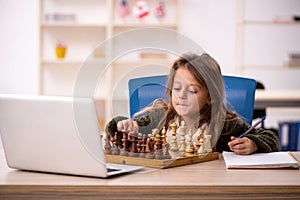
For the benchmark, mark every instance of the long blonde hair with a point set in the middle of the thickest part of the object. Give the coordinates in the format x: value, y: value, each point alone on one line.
x: 207, y: 72
x: 156, y: 104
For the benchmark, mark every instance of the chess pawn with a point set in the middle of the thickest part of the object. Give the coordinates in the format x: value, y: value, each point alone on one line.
x: 133, y: 152
x: 139, y: 142
x: 201, y: 150
x: 158, y: 146
x: 149, y: 147
x: 143, y: 147
x: 157, y: 139
x: 166, y: 151
x: 153, y: 137
x: 208, y: 147
x: 199, y: 142
x: 165, y: 145
x: 173, y: 145
x: 164, y: 136
x: 189, y: 147
x: 152, y: 142
x: 199, y: 139
x: 115, y: 150
x: 124, y: 151
x: 107, y: 146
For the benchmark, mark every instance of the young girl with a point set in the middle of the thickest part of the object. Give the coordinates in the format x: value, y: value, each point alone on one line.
x: 195, y: 92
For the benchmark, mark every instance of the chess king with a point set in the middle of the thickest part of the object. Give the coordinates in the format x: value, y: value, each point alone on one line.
x: 195, y: 93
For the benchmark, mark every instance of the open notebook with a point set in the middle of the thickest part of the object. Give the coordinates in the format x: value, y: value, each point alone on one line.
x: 260, y: 160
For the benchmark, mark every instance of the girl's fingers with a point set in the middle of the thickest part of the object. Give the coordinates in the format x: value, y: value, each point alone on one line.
x: 127, y: 125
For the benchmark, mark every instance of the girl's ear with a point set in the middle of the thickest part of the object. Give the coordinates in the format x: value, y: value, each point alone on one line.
x: 208, y: 101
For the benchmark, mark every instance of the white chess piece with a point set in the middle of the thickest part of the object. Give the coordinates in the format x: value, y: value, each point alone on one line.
x: 174, y: 146
x: 208, y: 143
x: 206, y: 146
x: 182, y: 131
x: 189, y: 141
x: 202, y: 148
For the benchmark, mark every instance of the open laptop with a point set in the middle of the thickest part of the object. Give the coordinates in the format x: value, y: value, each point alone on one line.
x: 54, y: 134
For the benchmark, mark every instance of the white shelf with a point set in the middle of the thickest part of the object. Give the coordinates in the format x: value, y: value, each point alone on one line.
x: 61, y: 62
x: 71, y: 25
x: 253, y: 22
x: 264, y: 67
x: 256, y: 27
x: 71, y: 61
x: 94, y: 22
x: 143, y: 24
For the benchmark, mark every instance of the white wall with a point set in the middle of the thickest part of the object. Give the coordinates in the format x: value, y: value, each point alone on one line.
x: 19, y: 46
x: 211, y: 23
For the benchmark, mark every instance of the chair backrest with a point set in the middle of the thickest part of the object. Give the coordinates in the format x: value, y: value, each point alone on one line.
x: 239, y: 94
x: 259, y: 112
x: 143, y: 91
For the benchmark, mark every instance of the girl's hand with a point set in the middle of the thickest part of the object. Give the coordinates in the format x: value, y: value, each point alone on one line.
x: 127, y: 125
x: 242, y: 146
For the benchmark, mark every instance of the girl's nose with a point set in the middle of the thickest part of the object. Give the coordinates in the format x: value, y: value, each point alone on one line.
x: 182, y: 94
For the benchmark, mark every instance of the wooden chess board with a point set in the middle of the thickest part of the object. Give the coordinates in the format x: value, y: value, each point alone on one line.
x: 165, y: 163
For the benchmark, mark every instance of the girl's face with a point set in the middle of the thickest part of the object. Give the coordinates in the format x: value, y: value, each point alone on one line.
x: 188, y: 96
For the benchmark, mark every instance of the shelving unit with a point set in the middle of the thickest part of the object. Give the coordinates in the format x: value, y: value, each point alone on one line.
x: 94, y: 22
x: 256, y: 27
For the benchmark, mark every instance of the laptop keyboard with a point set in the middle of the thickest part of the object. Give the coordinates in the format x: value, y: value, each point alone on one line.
x: 112, y: 169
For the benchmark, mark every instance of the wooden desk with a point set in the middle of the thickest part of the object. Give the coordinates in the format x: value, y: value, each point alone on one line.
x: 209, y: 180
x: 277, y: 98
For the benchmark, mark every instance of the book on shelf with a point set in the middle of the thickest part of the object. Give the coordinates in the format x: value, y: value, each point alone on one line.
x: 290, y: 64
x: 293, y: 59
x: 153, y: 55
x: 60, y: 17
x: 282, y: 159
x: 294, y: 55
x: 289, y: 135
x: 286, y: 18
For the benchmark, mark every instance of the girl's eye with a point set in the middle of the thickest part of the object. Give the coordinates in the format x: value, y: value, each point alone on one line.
x: 193, y: 91
x: 176, y: 88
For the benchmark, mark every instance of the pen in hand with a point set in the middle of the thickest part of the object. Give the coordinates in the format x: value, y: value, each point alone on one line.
x: 252, y: 127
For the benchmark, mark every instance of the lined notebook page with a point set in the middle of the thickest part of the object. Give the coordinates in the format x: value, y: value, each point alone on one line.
x: 260, y: 160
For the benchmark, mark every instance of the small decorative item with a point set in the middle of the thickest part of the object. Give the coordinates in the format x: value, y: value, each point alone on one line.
x: 60, y: 50
x: 123, y: 9
x: 141, y: 9
x: 99, y: 53
x: 60, y: 17
x: 160, y: 10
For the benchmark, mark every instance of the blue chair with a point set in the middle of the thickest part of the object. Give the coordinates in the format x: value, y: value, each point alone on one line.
x: 239, y: 93
x: 143, y: 91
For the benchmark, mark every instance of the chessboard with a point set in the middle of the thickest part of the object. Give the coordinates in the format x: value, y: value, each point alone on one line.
x: 162, y: 164
x: 153, y: 150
